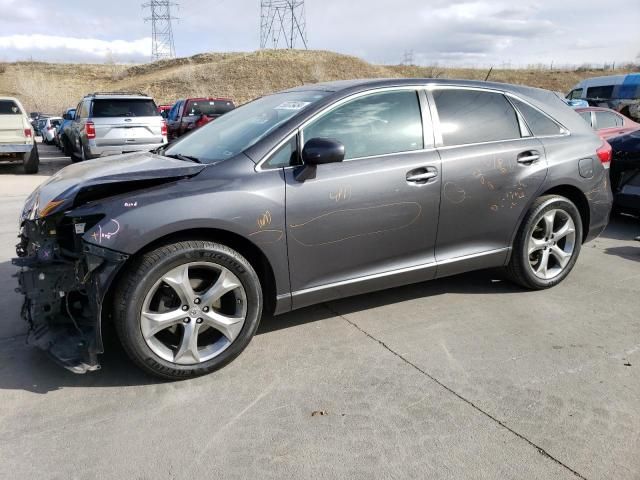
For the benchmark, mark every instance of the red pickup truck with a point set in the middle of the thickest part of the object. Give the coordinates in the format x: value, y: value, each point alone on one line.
x: 191, y: 113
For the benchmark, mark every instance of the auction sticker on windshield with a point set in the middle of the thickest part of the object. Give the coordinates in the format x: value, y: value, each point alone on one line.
x: 292, y: 105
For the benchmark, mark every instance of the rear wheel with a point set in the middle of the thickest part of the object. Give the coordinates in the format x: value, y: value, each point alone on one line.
x: 547, y: 245
x: 188, y: 308
x: 31, y: 160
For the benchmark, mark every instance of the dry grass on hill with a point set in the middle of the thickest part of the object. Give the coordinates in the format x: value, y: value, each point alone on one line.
x: 242, y: 76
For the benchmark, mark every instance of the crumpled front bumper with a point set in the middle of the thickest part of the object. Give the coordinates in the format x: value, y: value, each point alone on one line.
x: 63, y: 297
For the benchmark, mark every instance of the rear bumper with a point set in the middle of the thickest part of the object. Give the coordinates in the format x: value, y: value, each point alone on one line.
x: 15, y: 147
x: 103, y: 151
x: 600, y: 203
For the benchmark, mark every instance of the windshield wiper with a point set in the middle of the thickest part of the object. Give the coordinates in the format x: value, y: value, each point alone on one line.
x: 187, y: 158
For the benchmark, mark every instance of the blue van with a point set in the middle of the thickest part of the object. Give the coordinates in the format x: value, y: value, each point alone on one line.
x: 618, y: 92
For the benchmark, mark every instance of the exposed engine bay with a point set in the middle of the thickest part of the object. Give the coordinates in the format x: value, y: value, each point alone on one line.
x: 62, y: 279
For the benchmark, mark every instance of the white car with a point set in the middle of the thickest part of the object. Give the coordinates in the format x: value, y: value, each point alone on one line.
x: 48, y: 132
x: 17, y: 142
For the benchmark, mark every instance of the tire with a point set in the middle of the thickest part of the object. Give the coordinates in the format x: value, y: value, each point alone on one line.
x: 161, y: 348
x: 31, y: 161
x: 536, y: 241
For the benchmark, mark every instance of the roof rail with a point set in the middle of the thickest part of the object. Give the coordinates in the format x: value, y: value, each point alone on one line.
x: 116, y: 93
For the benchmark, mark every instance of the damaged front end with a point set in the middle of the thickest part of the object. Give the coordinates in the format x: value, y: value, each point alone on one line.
x: 63, y: 279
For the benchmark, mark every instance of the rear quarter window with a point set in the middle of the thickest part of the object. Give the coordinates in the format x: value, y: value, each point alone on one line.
x: 538, y: 122
x: 472, y: 116
x: 9, y: 107
x: 608, y: 120
x: 124, y: 108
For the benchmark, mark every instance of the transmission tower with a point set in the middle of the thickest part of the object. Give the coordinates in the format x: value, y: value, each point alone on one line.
x: 282, y: 23
x: 162, y: 32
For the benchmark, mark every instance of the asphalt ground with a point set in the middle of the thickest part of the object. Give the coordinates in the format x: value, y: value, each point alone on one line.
x: 466, y: 377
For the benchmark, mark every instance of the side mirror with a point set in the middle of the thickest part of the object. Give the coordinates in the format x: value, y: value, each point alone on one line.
x: 318, y: 151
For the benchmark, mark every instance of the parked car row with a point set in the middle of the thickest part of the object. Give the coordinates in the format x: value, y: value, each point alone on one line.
x: 111, y: 123
x: 617, y: 92
x: 622, y: 94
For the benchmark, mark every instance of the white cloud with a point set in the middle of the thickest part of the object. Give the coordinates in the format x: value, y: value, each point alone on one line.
x: 89, y: 48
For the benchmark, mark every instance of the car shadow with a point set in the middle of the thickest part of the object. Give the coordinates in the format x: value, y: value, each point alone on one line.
x: 23, y: 367
x: 622, y: 227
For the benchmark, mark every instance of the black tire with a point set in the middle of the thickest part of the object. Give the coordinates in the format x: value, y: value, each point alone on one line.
x: 147, y: 270
x: 66, y: 147
x: 31, y: 160
x: 519, y: 269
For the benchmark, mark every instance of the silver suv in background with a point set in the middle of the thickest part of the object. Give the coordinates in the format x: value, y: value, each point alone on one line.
x: 114, y: 123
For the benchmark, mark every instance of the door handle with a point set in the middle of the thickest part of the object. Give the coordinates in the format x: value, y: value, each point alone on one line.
x: 529, y: 157
x: 421, y: 175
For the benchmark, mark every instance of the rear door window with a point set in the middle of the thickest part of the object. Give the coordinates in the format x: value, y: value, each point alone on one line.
x: 603, y: 93
x: 474, y: 116
x: 9, y: 107
x: 539, y: 124
x: 378, y: 124
x: 124, y: 108
x: 608, y: 120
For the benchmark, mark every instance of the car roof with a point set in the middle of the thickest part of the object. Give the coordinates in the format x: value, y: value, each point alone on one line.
x: 595, y: 109
x: 607, y: 80
x: 339, y: 85
x: 117, y: 95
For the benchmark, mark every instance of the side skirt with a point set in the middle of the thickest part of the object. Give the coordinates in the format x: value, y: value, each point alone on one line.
x: 397, y: 278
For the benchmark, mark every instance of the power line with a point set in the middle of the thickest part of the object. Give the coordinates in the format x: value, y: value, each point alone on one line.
x: 163, y: 46
x: 282, y: 22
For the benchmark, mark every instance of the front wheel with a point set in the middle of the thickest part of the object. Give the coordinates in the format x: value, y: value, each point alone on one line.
x: 187, y: 309
x: 547, y: 245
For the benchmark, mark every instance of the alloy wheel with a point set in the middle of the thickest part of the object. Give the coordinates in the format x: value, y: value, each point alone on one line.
x: 193, y: 313
x: 551, y: 244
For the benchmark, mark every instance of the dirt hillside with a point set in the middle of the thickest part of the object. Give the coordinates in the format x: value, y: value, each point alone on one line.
x: 51, y: 87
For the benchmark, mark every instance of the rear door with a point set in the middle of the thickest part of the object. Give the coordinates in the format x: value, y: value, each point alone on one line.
x: 491, y: 168
x: 126, y: 121
x: 12, y: 123
x: 374, y: 213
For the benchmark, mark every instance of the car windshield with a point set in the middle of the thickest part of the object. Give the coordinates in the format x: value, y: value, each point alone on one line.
x: 124, y: 108
x: 195, y: 108
x: 9, y: 107
x: 243, y: 127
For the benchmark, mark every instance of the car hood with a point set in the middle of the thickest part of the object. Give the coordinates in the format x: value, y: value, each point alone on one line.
x: 136, y: 170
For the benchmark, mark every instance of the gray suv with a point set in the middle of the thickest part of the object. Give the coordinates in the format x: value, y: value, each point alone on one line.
x: 302, y: 197
x: 114, y: 123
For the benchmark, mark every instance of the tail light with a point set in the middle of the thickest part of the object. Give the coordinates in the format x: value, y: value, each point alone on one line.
x: 27, y: 132
x: 605, y: 153
x: 90, y: 129
x: 163, y: 128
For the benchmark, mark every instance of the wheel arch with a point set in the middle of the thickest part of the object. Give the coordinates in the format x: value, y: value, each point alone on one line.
x: 254, y: 255
x: 579, y: 199
x: 571, y: 192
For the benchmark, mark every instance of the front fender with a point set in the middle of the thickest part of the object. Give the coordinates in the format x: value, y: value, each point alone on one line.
x: 233, y: 199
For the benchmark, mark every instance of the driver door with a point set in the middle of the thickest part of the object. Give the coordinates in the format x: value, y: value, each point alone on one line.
x: 370, y: 221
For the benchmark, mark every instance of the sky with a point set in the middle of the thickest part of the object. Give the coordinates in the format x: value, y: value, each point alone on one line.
x: 444, y: 32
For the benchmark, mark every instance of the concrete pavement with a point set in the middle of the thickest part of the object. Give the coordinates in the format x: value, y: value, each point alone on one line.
x: 467, y: 377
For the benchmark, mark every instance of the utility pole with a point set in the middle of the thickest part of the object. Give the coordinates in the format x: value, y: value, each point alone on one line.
x: 282, y: 24
x: 408, y: 57
x: 161, y: 29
